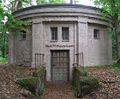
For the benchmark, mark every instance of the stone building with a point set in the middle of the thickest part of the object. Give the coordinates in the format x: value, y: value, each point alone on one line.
x: 60, y: 37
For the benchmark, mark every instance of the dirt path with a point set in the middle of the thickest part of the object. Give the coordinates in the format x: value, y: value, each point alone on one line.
x: 59, y: 90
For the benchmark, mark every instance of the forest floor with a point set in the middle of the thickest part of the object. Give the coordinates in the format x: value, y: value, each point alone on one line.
x: 109, y: 84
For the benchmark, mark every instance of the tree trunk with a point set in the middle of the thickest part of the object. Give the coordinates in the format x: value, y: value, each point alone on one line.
x: 115, y: 25
x: 17, y: 4
x: 117, y: 43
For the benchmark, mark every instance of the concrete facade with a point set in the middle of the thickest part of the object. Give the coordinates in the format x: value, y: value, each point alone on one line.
x: 81, y: 20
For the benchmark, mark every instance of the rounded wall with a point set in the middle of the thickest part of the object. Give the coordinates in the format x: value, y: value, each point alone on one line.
x: 99, y: 46
x: 81, y: 21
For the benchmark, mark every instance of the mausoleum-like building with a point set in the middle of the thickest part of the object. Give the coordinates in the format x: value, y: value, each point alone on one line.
x: 60, y: 37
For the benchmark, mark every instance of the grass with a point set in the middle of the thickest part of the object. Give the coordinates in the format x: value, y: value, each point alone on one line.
x: 3, y: 61
x: 116, y: 65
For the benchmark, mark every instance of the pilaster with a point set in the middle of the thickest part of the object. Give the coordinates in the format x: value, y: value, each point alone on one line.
x: 37, y: 39
x: 82, y: 37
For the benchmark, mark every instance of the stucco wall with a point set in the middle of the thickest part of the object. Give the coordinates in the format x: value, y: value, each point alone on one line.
x: 23, y: 52
x: 98, y: 50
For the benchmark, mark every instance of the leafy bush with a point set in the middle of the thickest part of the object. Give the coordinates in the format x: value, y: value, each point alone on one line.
x: 82, y: 70
x: 75, y: 82
x: 29, y: 83
x: 88, y: 84
x: 82, y: 83
x: 41, y: 75
x: 39, y: 70
x: 117, y: 65
x: 77, y: 72
x: 36, y: 83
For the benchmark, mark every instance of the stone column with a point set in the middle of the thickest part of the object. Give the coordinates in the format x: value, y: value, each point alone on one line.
x: 82, y: 37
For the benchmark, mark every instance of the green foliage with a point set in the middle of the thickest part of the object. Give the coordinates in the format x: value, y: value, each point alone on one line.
x: 29, y: 83
x: 82, y: 83
x: 12, y: 26
x: 88, y: 84
x: 82, y: 71
x: 50, y: 1
x: 4, y: 43
x: 56, y: 1
x: 112, y: 8
x: 39, y: 70
x: 41, y: 75
x: 3, y: 60
x: 77, y: 73
x: 3, y: 32
x: 117, y: 65
x: 76, y: 82
x: 26, y: 3
x: 17, y: 4
x: 35, y: 84
x: 114, y: 47
x: 41, y: 1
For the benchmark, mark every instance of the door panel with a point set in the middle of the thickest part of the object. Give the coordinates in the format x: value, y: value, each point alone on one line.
x: 60, y: 65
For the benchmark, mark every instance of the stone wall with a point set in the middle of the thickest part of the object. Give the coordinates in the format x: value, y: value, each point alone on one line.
x: 23, y: 48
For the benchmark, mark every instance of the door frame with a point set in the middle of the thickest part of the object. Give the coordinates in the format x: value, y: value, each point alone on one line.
x: 51, y: 67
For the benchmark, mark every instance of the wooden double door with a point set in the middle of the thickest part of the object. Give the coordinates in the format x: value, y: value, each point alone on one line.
x: 60, y: 65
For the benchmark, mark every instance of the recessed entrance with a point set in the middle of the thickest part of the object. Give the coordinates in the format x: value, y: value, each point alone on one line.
x: 60, y: 65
